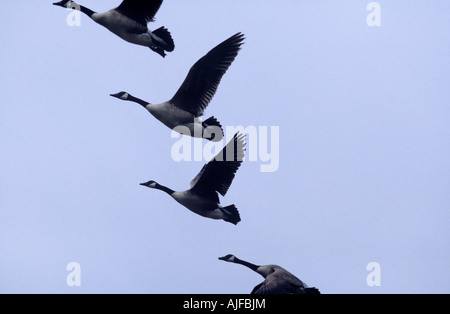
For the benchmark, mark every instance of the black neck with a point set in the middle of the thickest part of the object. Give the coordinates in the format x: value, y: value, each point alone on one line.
x: 83, y: 9
x: 86, y: 11
x: 165, y: 189
x: 139, y: 101
x: 249, y: 265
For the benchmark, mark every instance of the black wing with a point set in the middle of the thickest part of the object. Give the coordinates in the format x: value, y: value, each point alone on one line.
x: 142, y: 11
x: 204, y: 77
x: 280, y: 282
x: 258, y: 289
x: 271, y: 287
x: 218, y: 174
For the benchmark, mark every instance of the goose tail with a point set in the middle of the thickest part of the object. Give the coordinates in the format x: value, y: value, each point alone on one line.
x: 231, y: 214
x: 215, y: 131
x: 163, y: 41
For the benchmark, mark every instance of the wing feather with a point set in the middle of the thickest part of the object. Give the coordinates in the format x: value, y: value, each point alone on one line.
x: 142, y: 11
x: 218, y: 174
x: 280, y: 282
x: 204, y: 77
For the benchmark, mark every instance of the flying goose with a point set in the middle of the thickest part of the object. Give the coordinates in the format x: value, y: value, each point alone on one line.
x: 196, y: 92
x: 214, y: 178
x: 129, y: 22
x: 278, y: 280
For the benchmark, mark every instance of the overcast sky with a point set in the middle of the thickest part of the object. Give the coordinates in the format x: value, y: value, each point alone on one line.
x: 363, y: 115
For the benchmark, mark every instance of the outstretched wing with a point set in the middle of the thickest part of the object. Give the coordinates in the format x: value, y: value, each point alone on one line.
x: 204, y: 77
x: 218, y: 174
x: 280, y: 282
x: 142, y: 11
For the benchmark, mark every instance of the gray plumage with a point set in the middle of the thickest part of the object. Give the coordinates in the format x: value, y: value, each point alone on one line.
x: 277, y: 279
x: 215, y: 178
x: 195, y: 93
x: 129, y: 22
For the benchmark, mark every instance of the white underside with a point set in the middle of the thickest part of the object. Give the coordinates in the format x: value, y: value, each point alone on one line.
x: 173, y: 117
x: 124, y: 27
x: 196, y: 204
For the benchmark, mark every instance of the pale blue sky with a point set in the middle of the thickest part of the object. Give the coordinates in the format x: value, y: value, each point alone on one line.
x: 364, y: 170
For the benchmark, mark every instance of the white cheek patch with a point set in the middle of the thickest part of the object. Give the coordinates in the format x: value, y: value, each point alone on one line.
x: 152, y: 185
x: 125, y: 96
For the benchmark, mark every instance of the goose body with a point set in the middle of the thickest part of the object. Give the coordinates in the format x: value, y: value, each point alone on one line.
x: 277, y: 279
x: 201, y: 206
x: 199, y: 87
x: 124, y: 27
x: 215, y: 178
x: 172, y: 116
x: 129, y: 22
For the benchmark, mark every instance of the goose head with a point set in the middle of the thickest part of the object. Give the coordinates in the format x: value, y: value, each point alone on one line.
x: 64, y: 3
x: 122, y: 95
x: 262, y: 270
x: 151, y: 184
x: 228, y: 258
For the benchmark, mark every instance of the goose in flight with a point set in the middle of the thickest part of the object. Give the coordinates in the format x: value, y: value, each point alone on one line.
x: 187, y: 105
x: 215, y: 178
x: 277, y: 279
x: 129, y: 22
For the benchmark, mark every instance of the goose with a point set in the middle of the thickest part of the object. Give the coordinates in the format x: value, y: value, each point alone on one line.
x: 199, y: 87
x: 129, y: 22
x: 277, y: 279
x: 214, y: 178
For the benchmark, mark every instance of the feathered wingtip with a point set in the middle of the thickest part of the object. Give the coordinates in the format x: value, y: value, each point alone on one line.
x: 237, y: 40
x: 234, y: 151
